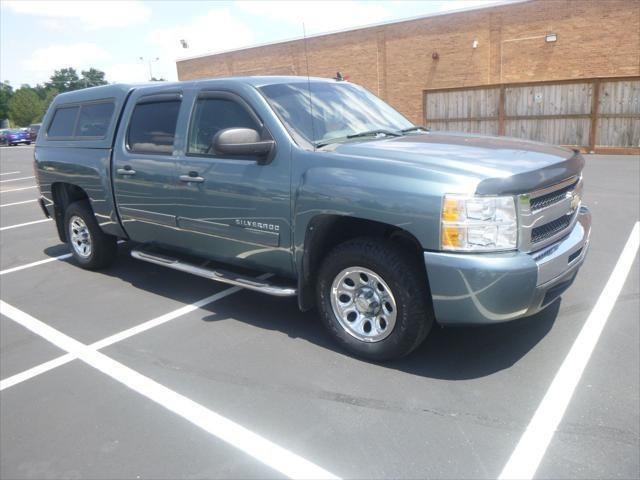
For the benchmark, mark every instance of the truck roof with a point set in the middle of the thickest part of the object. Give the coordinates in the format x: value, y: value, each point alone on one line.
x: 119, y: 90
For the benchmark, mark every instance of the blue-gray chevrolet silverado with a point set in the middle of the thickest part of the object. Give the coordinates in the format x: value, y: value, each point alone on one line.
x: 318, y: 189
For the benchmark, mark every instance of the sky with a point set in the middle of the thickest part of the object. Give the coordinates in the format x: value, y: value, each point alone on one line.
x: 131, y: 39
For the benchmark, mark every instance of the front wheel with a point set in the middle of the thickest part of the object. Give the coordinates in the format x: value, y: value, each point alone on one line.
x: 90, y: 246
x: 374, y: 299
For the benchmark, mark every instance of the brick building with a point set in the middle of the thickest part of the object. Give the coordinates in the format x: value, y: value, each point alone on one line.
x: 563, y: 71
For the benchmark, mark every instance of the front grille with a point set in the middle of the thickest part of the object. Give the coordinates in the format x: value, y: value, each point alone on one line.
x: 548, y: 230
x: 549, y: 199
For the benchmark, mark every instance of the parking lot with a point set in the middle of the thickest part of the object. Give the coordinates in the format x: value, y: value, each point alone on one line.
x: 141, y: 372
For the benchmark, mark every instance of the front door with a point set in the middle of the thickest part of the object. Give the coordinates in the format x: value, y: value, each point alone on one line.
x: 235, y: 208
x: 144, y: 169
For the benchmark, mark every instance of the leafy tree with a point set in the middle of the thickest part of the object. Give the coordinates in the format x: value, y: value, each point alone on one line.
x: 51, y: 94
x: 6, y: 91
x: 64, y: 80
x: 25, y: 107
x: 92, y: 78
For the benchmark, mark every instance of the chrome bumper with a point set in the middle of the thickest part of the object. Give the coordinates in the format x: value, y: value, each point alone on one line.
x: 491, y: 288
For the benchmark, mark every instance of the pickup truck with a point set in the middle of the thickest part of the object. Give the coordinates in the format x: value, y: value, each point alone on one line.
x: 316, y: 188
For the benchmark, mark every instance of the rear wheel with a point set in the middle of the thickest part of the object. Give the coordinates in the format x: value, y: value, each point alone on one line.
x: 374, y: 299
x: 90, y: 246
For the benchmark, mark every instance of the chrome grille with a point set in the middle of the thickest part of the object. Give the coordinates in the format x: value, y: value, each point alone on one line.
x: 548, y: 214
x: 548, y: 230
x: 551, y: 198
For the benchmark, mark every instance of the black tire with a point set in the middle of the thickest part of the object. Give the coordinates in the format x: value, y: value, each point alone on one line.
x: 103, y: 247
x: 28, y: 143
x: 408, y: 284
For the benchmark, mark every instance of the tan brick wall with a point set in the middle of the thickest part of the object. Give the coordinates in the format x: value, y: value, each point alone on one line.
x: 596, y: 38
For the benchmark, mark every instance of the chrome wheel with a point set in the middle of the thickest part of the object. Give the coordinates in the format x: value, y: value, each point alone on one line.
x: 363, y: 304
x: 80, y: 237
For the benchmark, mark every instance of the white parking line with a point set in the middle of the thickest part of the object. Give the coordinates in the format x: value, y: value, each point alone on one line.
x: 40, y: 262
x: 24, y: 224
x: 118, y: 337
x: 9, y: 173
x: 263, y: 450
x: 35, y: 264
x: 17, y: 189
x: 16, y: 179
x: 18, y: 203
x: 526, y: 458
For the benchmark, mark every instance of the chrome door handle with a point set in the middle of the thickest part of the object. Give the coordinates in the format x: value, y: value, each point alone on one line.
x: 125, y: 171
x: 189, y: 178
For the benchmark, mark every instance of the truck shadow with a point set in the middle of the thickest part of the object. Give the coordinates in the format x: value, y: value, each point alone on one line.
x: 447, y: 353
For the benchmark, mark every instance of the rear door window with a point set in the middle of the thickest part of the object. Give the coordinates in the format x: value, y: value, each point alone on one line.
x: 63, y: 122
x: 152, y: 127
x: 94, y: 119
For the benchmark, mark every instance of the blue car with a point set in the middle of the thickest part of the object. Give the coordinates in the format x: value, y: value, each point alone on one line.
x: 16, y: 136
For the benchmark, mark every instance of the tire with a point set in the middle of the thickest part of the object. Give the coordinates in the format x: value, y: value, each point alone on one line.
x: 400, y: 287
x: 91, y: 248
x: 28, y: 143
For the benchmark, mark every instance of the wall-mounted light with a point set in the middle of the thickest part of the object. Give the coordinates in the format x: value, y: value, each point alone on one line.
x: 551, y: 37
x: 475, y: 43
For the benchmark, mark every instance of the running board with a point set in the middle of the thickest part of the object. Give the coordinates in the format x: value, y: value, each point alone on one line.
x: 215, y: 274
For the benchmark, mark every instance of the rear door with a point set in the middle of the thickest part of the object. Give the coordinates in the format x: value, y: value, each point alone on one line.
x: 144, y: 167
x: 235, y: 208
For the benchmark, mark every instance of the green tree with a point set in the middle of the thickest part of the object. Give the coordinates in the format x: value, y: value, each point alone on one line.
x: 51, y: 94
x: 25, y: 107
x: 64, y: 80
x: 6, y: 91
x: 92, y: 78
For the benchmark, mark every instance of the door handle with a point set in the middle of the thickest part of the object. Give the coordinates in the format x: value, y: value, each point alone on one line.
x: 192, y: 177
x: 125, y: 171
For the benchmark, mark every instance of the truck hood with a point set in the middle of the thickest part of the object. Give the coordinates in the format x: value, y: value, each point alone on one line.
x: 501, y: 165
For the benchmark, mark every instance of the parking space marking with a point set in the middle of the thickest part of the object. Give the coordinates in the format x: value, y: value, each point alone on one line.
x: 24, y: 224
x: 16, y: 179
x: 526, y: 457
x: 9, y: 173
x: 18, y: 203
x: 17, y: 189
x: 258, y: 447
x: 35, y: 264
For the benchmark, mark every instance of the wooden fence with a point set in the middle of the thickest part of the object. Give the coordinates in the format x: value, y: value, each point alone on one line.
x: 596, y: 115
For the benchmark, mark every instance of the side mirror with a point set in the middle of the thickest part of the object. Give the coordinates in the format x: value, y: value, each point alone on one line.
x: 242, y: 141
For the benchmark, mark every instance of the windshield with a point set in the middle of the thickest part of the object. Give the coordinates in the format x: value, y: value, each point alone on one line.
x: 339, y: 110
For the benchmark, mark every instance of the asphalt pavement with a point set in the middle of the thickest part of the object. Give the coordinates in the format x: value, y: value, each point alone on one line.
x: 187, y: 378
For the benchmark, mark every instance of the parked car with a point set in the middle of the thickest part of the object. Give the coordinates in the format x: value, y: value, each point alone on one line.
x: 384, y: 227
x: 3, y: 136
x: 34, y: 128
x: 16, y: 136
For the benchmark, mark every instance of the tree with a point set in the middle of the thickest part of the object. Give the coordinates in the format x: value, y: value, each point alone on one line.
x: 92, y: 78
x: 6, y: 92
x: 64, y: 80
x: 51, y: 94
x: 25, y: 107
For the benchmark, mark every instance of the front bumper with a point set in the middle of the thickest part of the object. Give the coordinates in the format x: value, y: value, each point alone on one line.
x: 491, y: 288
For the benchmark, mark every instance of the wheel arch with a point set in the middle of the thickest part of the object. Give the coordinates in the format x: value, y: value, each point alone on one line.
x: 326, y: 231
x: 64, y: 194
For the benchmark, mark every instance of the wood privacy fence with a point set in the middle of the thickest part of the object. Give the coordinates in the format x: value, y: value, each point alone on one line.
x: 596, y: 115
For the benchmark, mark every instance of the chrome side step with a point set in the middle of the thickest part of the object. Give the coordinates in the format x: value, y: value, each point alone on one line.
x: 215, y: 274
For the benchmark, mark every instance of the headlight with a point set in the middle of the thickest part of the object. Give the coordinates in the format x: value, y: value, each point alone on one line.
x: 478, y: 223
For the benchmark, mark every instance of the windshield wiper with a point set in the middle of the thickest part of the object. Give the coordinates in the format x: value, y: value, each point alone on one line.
x: 371, y: 133
x: 368, y: 133
x: 414, y: 129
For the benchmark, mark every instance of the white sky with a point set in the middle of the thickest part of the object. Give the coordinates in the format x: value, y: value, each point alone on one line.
x: 37, y: 37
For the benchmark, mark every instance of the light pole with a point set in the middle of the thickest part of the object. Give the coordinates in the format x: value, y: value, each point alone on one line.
x: 149, y: 62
